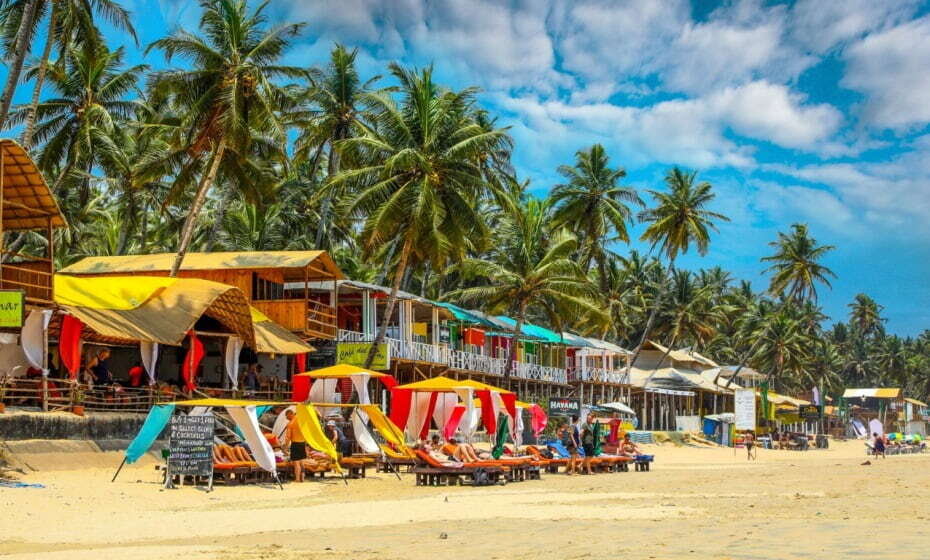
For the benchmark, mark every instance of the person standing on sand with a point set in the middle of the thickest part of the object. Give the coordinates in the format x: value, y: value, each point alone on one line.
x: 878, y: 445
x: 587, y: 442
x: 749, y: 440
x: 573, y: 446
x: 298, y: 443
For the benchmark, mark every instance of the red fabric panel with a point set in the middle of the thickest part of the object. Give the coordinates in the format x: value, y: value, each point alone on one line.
x: 69, y: 344
x: 487, y: 412
x: 510, y: 404
x: 300, y: 388
x: 453, y: 423
x: 538, y: 419
x: 191, y: 362
x: 424, y: 431
x: 400, y: 406
x: 473, y: 336
x: 614, y: 429
x: 300, y: 362
x: 389, y: 382
x: 345, y: 389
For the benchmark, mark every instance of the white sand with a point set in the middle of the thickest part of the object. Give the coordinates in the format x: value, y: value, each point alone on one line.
x: 695, y: 503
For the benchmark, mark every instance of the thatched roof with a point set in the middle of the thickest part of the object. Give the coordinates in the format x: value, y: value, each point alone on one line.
x: 28, y: 203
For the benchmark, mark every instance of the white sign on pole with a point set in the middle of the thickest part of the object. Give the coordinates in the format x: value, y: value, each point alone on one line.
x: 745, y: 403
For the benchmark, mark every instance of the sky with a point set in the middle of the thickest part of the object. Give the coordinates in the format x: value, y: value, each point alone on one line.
x: 813, y: 111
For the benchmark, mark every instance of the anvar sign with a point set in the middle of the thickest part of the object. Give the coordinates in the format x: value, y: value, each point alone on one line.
x: 355, y: 353
x: 12, y: 309
x: 745, y: 404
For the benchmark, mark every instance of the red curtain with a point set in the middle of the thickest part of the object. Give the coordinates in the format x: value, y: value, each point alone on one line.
x: 510, y: 403
x: 69, y: 344
x: 300, y: 388
x: 424, y: 431
x: 300, y: 362
x: 453, y: 423
x: 389, y: 382
x: 487, y: 411
x: 191, y: 362
x: 400, y: 406
x: 345, y: 389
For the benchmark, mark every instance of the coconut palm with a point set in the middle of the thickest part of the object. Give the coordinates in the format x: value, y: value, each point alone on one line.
x: 796, y: 268
x: 417, y: 175
x: 230, y: 97
x: 21, y: 17
x: 679, y: 220
x: 593, y: 204
x: 340, y: 104
x: 532, y: 272
x: 70, y: 24
x: 865, y: 315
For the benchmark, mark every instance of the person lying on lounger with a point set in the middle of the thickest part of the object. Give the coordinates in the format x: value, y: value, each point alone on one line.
x: 628, y: 448
x: 466, y: 452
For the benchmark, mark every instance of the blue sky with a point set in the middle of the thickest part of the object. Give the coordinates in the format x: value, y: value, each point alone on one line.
x: 811, y: 111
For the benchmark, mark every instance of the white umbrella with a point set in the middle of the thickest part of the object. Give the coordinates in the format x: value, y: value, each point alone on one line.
x: 619, y: 407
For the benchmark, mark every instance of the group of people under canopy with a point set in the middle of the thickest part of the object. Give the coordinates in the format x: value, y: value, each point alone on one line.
x: 315, y: 427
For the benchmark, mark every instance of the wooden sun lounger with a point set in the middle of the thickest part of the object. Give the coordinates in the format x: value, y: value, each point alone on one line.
x: 430, y: 472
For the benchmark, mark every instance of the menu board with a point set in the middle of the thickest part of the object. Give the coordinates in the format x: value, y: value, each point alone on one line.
x: 745, y: 401
x: 190, y: 443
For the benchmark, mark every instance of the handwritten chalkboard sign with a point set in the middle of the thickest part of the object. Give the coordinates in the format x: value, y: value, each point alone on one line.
x: 190, y: 442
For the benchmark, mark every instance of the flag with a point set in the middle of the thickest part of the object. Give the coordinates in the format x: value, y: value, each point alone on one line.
x: 502, y: 431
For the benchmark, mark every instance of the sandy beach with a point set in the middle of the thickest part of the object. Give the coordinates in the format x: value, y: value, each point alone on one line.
x: 695, y: 503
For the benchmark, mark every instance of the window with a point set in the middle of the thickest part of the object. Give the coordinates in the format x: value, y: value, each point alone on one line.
x: 266, y: 289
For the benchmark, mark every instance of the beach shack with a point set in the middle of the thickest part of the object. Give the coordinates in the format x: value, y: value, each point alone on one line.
x: 869, y: 408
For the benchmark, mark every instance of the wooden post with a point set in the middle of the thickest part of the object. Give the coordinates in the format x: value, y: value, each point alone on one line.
x: 306, y: 297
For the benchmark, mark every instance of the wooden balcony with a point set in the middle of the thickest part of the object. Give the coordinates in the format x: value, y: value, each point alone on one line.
x: 32, y: 275
x: 311, y: 318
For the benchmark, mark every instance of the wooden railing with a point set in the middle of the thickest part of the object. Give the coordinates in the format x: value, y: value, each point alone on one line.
x: 33, y: 275
x: 321, y: 320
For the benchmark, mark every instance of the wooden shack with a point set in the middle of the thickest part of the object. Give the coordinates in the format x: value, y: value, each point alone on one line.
x: 267, y: 278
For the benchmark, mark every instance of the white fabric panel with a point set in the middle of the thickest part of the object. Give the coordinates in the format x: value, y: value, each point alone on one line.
x: 445, y: 404
x: 149, y: 351
x: 244, y: 416
x: 419, y: 406
x: 363, y: 434
x: 469, y: 422
x: 324, y: 391
x: 33, y: 337
x: 875, y: 427
x: 233, y: 348
x: 280, y: 423
x: 518, y: 432
x: 360, y: 385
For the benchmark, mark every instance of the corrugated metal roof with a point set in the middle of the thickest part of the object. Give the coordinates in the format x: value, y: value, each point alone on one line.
x: 541, y: 333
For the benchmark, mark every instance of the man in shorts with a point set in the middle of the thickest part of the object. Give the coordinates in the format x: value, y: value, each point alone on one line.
x: 587, y: 442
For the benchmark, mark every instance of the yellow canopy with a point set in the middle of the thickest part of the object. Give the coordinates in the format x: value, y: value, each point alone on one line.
x: 309, y: 423
x: 519, y: 404
x: 272, y: 338
x: 135, y: 308
x: 339, y: 371
x: 443, y: 384
x: 915, y: 401
x: 226, y: 402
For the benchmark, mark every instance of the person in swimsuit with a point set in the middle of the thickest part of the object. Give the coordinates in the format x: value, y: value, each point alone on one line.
x: 878, y: 445
x: 298, y: 449
x: 628, y: 448
x: 749, y: 440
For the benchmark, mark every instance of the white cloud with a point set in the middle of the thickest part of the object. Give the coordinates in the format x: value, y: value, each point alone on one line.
x: 893, y: 69
x: 820, y: 26
x: 787, y: 203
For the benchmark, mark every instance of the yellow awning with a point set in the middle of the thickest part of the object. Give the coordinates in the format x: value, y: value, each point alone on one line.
x: 272, y: 338
x: 137, y: 308
x: 442, y: 384
x: 875, y: 393
x: 339, y: 371
x: 226, y: 402
x: 915, y: 401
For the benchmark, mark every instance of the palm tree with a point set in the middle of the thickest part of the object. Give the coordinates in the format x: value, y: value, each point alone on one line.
x: 417, y: 173
x: 865, y: 315
x: 679, y: 220
x: 23, y: 17
x: 229, y: 97
x: 76, y: 128
x: 531, y: 272
x: 796, y: 268
x: 593, y: 204
x: 71, y: 24
x: 340, y: 105
x: 782, y: 346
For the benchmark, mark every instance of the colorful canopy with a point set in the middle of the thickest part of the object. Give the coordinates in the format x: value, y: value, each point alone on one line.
x: 272, y: 338
x: 872, y: 393
x: 163, y: 310
x: 339, y: 371
x: 570, y: 339
x: 442, y: 384
x: 227, y: 402
x: 532, y: 330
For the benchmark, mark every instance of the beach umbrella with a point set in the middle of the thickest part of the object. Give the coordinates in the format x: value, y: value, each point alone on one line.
x: 502, y: 423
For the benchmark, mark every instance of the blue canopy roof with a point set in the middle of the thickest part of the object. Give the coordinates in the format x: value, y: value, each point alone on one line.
x: 533, y: 330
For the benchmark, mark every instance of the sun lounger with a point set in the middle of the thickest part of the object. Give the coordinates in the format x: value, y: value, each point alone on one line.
x: 394, y: 461
x: 356, y: 466
x: 431, y: 472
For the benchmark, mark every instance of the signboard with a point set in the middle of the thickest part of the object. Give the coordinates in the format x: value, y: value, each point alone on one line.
x: 190, y: 442
x: 809, y: 411
x: 745, y: 404
x: 355, y: 353
x: 564, y: 407
x: 12, y: 310
x: 445, y: 335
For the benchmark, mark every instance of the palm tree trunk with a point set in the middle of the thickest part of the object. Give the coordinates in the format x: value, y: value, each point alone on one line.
x: 187, y: 231
x: 660, y: 299
x: 20, y: 50
x: 512, y: 353
x: 40, y: 78
x: 392, y: 302
x: 323, y: 227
